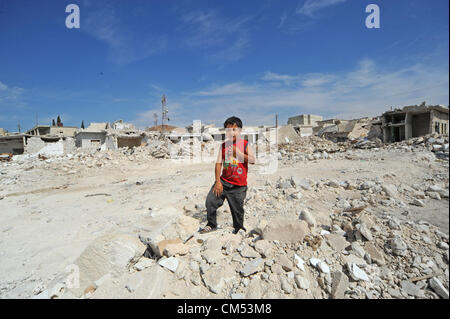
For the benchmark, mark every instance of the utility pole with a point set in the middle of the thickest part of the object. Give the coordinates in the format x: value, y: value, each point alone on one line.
x: 164, y: 111
x: 276, y: 127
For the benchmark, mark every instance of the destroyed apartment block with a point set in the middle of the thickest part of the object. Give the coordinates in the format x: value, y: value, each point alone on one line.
x: 304, y: 124
x: 39, y: 130
x: 414, y: 121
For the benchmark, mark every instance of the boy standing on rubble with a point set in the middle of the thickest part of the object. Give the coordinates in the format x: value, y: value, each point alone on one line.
x: 234, y: 154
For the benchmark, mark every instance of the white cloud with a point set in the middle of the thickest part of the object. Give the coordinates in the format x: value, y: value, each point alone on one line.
x: 103, y: 22
x: 10, y: 94
x: 309, y: 7
x: 366, y: 90
x: 209, y: 30
x: 227, y: 89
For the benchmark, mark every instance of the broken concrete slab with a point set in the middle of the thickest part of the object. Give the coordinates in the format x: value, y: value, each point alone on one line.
x: 337, y: 242
x: 339, y: 285
x: 375, y: 254
x: 252, y: 267
x: 170, y: 263
x: 285, y: 230
x: 113, y: 253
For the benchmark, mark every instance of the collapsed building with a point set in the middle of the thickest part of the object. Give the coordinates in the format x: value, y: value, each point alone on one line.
x: 304, y: 124
x: 414, y: 121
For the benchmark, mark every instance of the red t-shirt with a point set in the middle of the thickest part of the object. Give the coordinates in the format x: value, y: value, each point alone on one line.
x: 233, y: 171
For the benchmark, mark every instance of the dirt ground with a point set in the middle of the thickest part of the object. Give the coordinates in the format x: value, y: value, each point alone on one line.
x: 49, y: 215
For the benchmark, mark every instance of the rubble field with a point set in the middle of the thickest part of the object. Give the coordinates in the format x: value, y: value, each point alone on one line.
x: 351, y: 220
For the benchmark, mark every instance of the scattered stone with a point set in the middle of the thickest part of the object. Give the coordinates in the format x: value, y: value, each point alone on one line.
x: 339, y: 285
x: 285, y: 230
x: 398, y: 246
x: 307, y: 217
x: 357, y: 273
x: 170, y: 263
x: 375, y: 254
x: 299, y: 262
x: 302, y: 282
x: 438, y: 287
x: 252, y: 267
x: 337, y: 242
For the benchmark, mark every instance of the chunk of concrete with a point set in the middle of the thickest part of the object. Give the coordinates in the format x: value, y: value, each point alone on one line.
x: 339, y: 285
x: 286, y: 230
x: 307, y: 217
x: 438, y: 287
x: 112, y: 253
x: 170, y: 263
x: 375, y: 254
x: 337, y: 242
x: 252, y: 267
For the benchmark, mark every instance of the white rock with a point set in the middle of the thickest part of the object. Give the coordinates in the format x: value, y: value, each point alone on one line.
x: 301, y: 282
x: 170, y: 263
x: 438, y: 287
x: 314, y: 262
x: 357, y: 273
x: 323, y: 267
x: 299, y: 262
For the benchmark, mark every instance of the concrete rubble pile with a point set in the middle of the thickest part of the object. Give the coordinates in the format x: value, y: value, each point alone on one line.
x: 358, y: 249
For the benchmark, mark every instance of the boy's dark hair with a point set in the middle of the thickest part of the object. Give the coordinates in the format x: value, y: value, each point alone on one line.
x: 233, y: 120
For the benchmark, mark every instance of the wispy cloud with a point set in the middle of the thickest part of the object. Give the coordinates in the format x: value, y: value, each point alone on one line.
x: 104, y: 22
x: 227, y: 89
x: 310, y: 7
x: 226, y: 38
x: 366, y: 90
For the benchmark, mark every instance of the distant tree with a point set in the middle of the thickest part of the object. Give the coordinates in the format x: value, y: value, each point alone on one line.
x: 82, y: 124
x: 53, y: 122
x: 58, y: 121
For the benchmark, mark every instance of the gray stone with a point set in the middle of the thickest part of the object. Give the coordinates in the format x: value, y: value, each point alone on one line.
x: 375, y: 254
x: 438, y: 287
x: 143, y: 263
x: 418, y: 202
x: 170, y: 263
x: 358, y: 250
x: 390, y: 190
x: 302, y: 282
x: 284, y: 262
x: 339, y: 285
x: 285, y: 230
x: 337, y: 242
x: 285, y: 285
x: 252, y: 267
x: 443, y: 245
x: 264, y: 247
x: 410, y: 288
x: 247, y: 252
x: 398, y: 246
x: 307, y: 217
x: 364, y: 231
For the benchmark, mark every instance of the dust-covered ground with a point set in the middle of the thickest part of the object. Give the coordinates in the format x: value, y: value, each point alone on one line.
x: 379, y: 218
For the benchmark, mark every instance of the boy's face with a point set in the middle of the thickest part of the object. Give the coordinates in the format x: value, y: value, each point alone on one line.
x: 232, y: 131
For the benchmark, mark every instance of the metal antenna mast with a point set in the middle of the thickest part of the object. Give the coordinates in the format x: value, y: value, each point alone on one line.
x: 155, y: 118
x: 164, y: 110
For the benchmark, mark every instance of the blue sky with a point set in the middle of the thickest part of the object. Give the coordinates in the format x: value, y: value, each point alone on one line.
x: 214, y: 59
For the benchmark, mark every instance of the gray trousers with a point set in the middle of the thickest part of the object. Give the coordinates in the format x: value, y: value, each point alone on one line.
x: 235, y: 196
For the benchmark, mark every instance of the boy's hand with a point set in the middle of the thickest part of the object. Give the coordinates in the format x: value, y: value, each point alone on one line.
x: 218, y: 188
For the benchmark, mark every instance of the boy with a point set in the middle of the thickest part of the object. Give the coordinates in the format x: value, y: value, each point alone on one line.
x: 235, y: 154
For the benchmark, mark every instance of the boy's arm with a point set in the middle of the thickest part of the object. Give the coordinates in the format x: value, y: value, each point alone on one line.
x: 218, y: 188
x: 219, y: 165
x: 248, y: 155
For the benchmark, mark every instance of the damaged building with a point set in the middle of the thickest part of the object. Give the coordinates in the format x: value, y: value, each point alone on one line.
x: 304, y: 124
x: 414, y: 121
